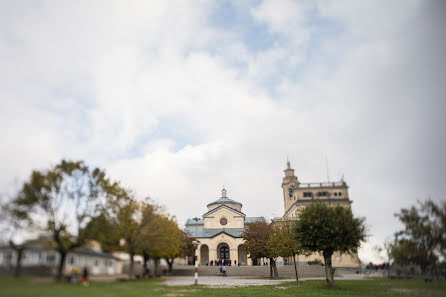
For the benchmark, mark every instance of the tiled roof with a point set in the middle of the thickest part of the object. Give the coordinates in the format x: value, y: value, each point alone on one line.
x: 200, y: 232
x: 224, y: 200
x: 224, y: 206
x: 254, y: 219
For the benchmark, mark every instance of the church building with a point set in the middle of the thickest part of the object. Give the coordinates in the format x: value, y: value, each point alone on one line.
x: 219, y: 232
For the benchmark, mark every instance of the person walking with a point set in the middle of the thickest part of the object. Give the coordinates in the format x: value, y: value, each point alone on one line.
x: 85, y: 276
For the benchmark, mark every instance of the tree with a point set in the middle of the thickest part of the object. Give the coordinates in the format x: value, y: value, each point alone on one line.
x: 256, y: 236
x: 324, y: 229
x: 161, y: 238
x: 423, y: 240
x: 406, y: 252
x: 187, y: 248
x: 281, y: 243
x: 10, y: 226
x: 48, y: 198
x: 129, y: 228
x: 102, y: 229
x: 149, y: 213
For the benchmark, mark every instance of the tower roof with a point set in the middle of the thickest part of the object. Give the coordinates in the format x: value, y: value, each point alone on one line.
x: 224, y: 200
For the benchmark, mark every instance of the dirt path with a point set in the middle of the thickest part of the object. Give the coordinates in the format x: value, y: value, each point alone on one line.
x: 237, y: 281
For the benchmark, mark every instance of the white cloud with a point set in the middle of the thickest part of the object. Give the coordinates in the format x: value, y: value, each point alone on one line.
x: 281, y: 15
x: 176, y: 108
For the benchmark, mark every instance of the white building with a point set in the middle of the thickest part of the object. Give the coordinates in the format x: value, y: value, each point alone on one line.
x: 44, y: 261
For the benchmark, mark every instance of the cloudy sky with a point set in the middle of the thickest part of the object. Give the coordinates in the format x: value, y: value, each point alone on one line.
x: 178, y: 98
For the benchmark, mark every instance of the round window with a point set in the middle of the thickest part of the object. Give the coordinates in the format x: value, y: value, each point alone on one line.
x: 223, y: 221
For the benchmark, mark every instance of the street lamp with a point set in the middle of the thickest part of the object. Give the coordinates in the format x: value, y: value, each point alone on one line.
x: 196, y: 242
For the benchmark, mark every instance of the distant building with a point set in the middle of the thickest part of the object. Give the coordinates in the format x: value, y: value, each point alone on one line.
x: 297, y: 195
x: 219, y: 231
x: 42, y: 260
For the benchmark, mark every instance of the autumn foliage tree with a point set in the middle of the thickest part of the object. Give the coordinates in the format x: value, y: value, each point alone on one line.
x: 423, y: 240
x: 326, y: 230
x: 161, y: 238
x: 281, y: 242
x: 256, y: 236
x: 59, y: 202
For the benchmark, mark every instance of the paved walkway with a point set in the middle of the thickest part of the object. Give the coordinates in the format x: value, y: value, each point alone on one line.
x: 237, y: 281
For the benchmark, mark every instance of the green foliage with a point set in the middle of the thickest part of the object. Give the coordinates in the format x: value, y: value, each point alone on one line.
x: 256, y: 236
x: 315, y: 262
x: 423, y: 240
x: 103, y: 230
x: 281, y: 242
x: 59, y: 202
x: 322, y: 228
x: 161, y: 237
x: 406, y: 252
x: 187, y: 248
x: 326, y: 230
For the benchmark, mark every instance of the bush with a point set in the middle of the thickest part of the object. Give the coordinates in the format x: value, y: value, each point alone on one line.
x: 315, y: 262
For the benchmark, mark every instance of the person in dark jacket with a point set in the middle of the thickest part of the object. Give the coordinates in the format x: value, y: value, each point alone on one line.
x: 85, y: 276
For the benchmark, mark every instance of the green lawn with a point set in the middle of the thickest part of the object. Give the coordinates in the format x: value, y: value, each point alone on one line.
x: 378, y: 287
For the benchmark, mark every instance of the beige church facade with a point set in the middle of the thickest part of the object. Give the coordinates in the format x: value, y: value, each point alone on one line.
x: 219, y: 230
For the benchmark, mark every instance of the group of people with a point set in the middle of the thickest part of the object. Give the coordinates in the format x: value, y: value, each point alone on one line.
x: 223, y: 262
x: 75, y: 273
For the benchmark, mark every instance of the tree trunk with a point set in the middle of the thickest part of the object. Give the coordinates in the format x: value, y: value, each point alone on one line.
x: 270, y: 269
x: 328, y: 269
x: 295, y: 268
x: 63, y: 256
x: 170, y: 264
x: 156, y: 267
x: 18, y: 264
x: 19, y: 250
x: 273, y: 268
x: 276, y: 273
x: 146, y: 270
x: 132, y: 255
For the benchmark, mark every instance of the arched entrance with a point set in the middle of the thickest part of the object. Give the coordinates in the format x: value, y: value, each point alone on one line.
x: 223, y: 251
x: 204, y: 255
x: 242, y: 256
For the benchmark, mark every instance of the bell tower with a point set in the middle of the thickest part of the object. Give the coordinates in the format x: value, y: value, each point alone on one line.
x: 289, y: 183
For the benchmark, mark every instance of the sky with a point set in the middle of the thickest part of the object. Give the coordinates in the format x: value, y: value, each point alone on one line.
x: 177, y: 99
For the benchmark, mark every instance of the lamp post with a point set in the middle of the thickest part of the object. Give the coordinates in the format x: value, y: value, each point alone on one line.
x: 196, y: 242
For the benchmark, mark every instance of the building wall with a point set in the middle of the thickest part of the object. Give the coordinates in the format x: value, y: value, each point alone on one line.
x: 214, y: 243
x: 46, y: 258
x: 212, y: 221
x: 297, y: 196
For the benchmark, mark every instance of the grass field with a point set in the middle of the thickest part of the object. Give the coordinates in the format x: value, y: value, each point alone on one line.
x: 377, y: 287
